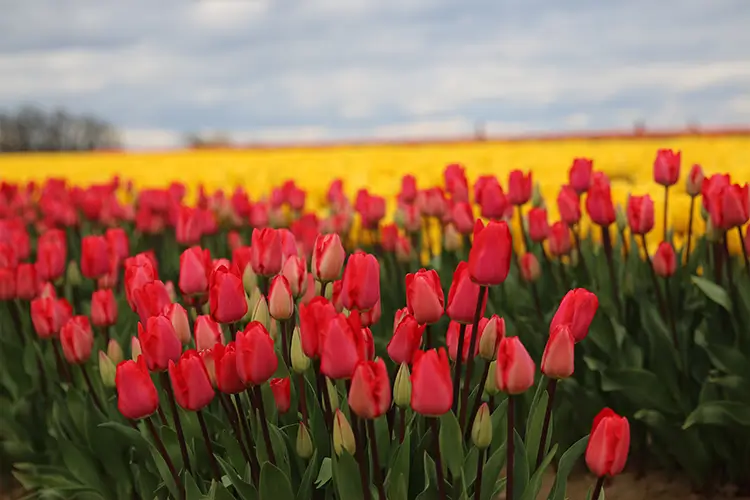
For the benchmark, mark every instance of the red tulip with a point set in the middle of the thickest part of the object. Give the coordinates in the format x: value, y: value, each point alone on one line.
x: 118, y: 242
x: 569, y: 205
x: 49, y: 314
x: 424, y: 296
x: 371, y: 208
x: 282, y: 396
x: 288, y: 244
x: 225, y: 362
x: 178, y: 317
x: 51, y: 255
x: 462, y: 296
x: 136, y: 276
x: 361, y: 283
x: 77, y: 340
x: 314, y: 318
x: 729, y: 206
x: 530, y: 269
x: 577, y: 309
x: 266, y: 251
x: 607, y: 450
x: 559, y: 239
x: 370, y: 392
x: 27, y: 283
x: 558, y: 360
x: 328, y: 257
x: 195, y: 266
x: 408, y: 191
x: 295, y: 272
x: 432, y: 202
x: 7, y: 283
x: 280, y: 300
x: 747, y: 241
x: 456, y: 182
x: 136, y: 393
x: 519, y: 187
x: 489, y: 257
x: 538, y: 225
x: 207, y: 333
x: 189, y: 227
x: 452, y: 338
x: 371, y: 316
x: 599, y: 201
x: 492, y: 201
x: 667, y: 167
x: 388, y: 237
x: 256, y: 358
x: 407, y: 337
x: 579, y: 175
x: 694, y: 181
x: 711, y: 185
x: 94, y: 256
x: 8, y: 257
x: 640, y: 214
x: 226, y: 295
x: 159, y: 343
x: 404, y: 250
x: 191, y: 382
x: 103, y: 308
x: 341, y: 347
x: 431, y: 384
x: 664, y: 260
x: 515, y: 368
x: 150, y: 300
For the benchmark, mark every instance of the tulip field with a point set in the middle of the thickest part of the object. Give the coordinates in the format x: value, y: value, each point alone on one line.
x: 488, y: 339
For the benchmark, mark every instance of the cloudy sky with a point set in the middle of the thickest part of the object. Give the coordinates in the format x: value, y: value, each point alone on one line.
x: 306, y: 70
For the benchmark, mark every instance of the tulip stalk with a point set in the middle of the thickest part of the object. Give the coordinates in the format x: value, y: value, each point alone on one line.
x: 260, y: 408
x: 375, y: 459
x: 690, y: 230
x: 90, y: 387
x: 470, y: 358
x: 231, y: 414
x: 478, y: 400
x: 598, y: 488
x: 744, y: 250
x: 551, y: 387
x: 663, y: 308
x: 457, y: 367
x: 433, y: 422
x: 607, y: 242
x: 209, y: 447
x: 165, y: 455
x: 62, y: 368
x: 478, y: 480
x: 577, y: 238
x: 252, y: 458
x: 510, y: 447
x: 666, y: 206
x: 167, y: 386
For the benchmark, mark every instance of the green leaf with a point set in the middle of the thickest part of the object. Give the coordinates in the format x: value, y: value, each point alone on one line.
x: 640, y: 386
x: 398, y: 489
x: 499, y: 424
x: 451, y: 443
x: 345, y: 477
x: 133, y: 437
x: 713, y: 291
x: 244, y: 490
x: 274, y: 483
x: 219, y: 492
x: 325, y: 473
x: 164, y: 472
x: 491, y: 472
x: 191, y: 489
x: 521, y: 466
x: 401, y: 464
x: 81, y: 466
x: 534, y: 424
x: 535, y: 483
x: 723, y: 413
x: 565, y: 466
x: 430, y: 490
x: 304, y: 492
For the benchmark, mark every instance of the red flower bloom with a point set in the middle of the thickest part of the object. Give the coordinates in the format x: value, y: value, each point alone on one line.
x: 103, y: 308
x: 640, y: 213
x: 77, y: 340
x: 452, y: 338
x: 492, y: 200
x: 370, y: 392
x: 424, y: 296
x: 51, y: 255
x: 256, y: 358
x: 530, y: 269
x: 667, y: 167
x: 226, y: 295
x: 341, y: 347
x: 7, y: 283
x: 577, y: 309
x: 207, y: 333
x: 431, y: 384
x: 519, y: 187
x: 150, y: 300
x: 489, y: 257
x: 49, y: 314
x: 515, y: 368
x: 538, y: 225
x: 599, y: 201
x: 361, y: 283
x: 607, y: 450
x: 282, y: 393
x: 664, y: 260
x: 579, y: 175
x: 558, y: 360
x: 266, y: 251
x: 225, y: 362
x: 462, y: 216
x: 328, y: 257
x: 136, y: 393
x: 559, y: 239
x: 729, y: 206
x: 569, y: 205
x: 463, y: 295
x: 314, y: 318
x: 407, y: 337
x: 191, y: 382
x: 694, y: 181
x: 118, y: 242
x: 94, y: 256
x: 195, y: 265
x: 159, y: 343
x: 408, y: 191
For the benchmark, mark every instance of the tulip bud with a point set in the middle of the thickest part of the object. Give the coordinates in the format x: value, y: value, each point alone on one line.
x: 135, y: 348
x: 114, y: 351
x: 274, y: 330
x: 694, y: 180
x: 515, y: 368
x: 178, y: 316
x: 300, y: 362
x: 452, y: 238
x: 249, y: 280
x: 490, y: 386
x: 328, y: 257
x: 280, y: 300
x: 558, y: 360
x: 537, y: 200
x: 343, y: 437
x: 252, y: 300
x: 170, y: 291
x: 304, y: 442
x: 712, y: 233
x: 73, y: 274
x: 402, y: 387
x: 107, y: 369
x: 492, y: 334
x: 664, y: 260
x: 333, y: 395
x: 530, y: 268
x: 704, y: 214
x: 620, y: 218
x: 481, y: 431
x: 261, y: 314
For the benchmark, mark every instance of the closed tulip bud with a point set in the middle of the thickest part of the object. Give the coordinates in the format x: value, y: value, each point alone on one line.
x: 424, y: 296
x: 402, y: 387
x: 620, y: 218
x: 599, y: 204
x: 103, y: 308
x: 314, y: 318
x: 195, y: 268
x: 694, y: 180
x: 609, y: 443
x: 48, y: 315
x: 343, y: 437
x: 135, y: 348
x: 361, y: 283
x: 107, y: 370
x: 261, y: 313
x: 481, y: 431
x: 577, y: 309
x: 370, y: 390
x: 179, y: 318
x: 569, y: 205
x: 136, y: 393
x: 489, y: 257
x: 667, y: 167
x: 452, y: 339
x: 558, y: 360
x: 256, y: 358
x: 191, y: 383
x: 463, y: 295
x: 7, y: 284
x: 490, y: 386
x: 538, y: 225
x: 640, y: 214
x: 530, y: 269
x: 208, y: 360
x: 431, y: 384
x: 114, y: 351
x: 407, y: 337
x: 51, y: 254
x: 559, y: 239
x: 580, y: 174
x: 225, y: 364
x: 159, y: 343
x: 342, y: 347
x: 27, y: 282
x: 73, y: 274
x: 280, y: 300
x: 515, y: 369
x: 94, y: 257
x: 333, y: 395
x: 300, y: 362
x: 537, y: 200
x: 295, y: 272
x: 266, y: 251
x: 226, y: 295
x: 519, y: 187
x: 328, y: 257
x: 77, y: 340
x: 282, y: 395
x: 304, y: 444
x: 150, y: 300
x: 492, y: 333
x: 249, y: 280
x: 664, y: 260
x: 207, y: 333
